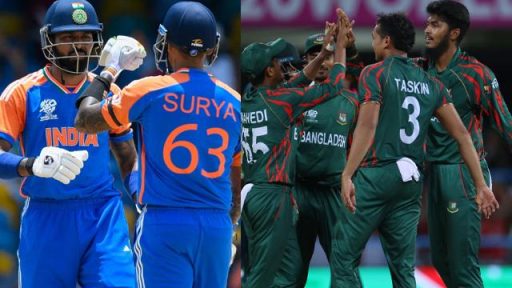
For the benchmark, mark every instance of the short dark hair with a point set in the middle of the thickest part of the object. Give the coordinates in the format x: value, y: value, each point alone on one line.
x: 258, y: 79
x: 455, y: 14
x: 399, y: 28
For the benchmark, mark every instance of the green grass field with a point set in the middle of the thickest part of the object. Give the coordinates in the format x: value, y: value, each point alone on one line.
x: 379, y: 277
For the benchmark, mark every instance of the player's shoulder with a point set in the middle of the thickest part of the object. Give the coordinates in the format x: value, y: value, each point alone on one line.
x: 150, y: 84
x: 21, y: 86
x: 350, y: 97
x: 470, y: 64
x: 373, y: 68
x: 226, y: 88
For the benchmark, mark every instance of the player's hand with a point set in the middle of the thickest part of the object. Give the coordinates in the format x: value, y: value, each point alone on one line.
x: 330, y: 32
x: 348, y: 193
x: 487, y: 203
x: 235, y: 214
x: 59, y: 164
x: 344, y: 27
x: 122, y: 53
x: 351, y: 37
x: 234, y: 243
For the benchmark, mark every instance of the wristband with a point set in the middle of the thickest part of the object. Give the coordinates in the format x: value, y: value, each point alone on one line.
x: 9, y: 163
x: 97, y: 89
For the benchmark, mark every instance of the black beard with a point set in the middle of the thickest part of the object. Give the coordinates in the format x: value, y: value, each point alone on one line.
x: 436, y: 52
x: 70, y: 64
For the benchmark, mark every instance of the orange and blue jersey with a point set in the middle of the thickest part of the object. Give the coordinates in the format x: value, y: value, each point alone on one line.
x: 38, y: 111
x: 189, y: 138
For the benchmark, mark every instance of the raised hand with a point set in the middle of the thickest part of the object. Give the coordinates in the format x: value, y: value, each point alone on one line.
x: 330, y: 32
x: 344, y: 27
x: 351, y: 37
x: 122, y: 53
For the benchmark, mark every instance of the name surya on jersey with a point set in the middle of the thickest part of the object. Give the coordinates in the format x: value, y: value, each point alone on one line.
x: 68, y: 137
x: 198, y: 105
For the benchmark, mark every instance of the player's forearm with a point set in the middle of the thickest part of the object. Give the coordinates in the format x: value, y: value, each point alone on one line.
x: 126, y: 156
x: 236, y: 187
x: 454, y: 126
x: 12, y: 165
x: 362, y: 141
x: 502, y: 120
x: 340, y: 55
x: 468, y: 153
x: 363, y: 137
x: 312, y: 68
x: 89, y: 118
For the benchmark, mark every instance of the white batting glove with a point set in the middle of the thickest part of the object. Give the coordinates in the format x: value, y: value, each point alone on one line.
x: 59, y: 164
x: 122, y: 53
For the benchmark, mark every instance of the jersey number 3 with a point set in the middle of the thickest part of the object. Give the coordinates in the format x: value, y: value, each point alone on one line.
x: 171, y: 144
x: 413, y: 118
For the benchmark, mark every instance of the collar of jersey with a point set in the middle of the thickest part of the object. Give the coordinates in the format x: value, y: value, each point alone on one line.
x: 188, y: 70
x: 453, y: 62
x: 63, y: 88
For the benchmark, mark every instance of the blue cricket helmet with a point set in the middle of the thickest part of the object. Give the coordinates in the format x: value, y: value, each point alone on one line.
x: 71, y: 16
x: 190, y: 26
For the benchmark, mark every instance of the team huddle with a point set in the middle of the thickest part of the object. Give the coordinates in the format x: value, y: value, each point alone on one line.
x: 379, y: 130
x: 184, y: 174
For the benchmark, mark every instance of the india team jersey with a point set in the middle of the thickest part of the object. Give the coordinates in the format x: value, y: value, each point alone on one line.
x: 190, y: 137
x: 408, y: 98
x: 39, y: 111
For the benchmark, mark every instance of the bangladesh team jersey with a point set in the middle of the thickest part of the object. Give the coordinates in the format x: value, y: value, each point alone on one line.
x: 267, y: 117
x: 476, y: 94
x: 323, y: 139
x: 39, y: 111
x: 190, y: 137
x: 408, y: 98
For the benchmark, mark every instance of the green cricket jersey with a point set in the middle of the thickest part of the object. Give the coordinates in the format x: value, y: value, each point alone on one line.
x: 475, y: 93
x: 408, y: 98
x: 267, y: 117
x: 323, y: 139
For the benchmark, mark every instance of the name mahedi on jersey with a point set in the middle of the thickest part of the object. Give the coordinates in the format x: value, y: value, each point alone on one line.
x: 254, y: 117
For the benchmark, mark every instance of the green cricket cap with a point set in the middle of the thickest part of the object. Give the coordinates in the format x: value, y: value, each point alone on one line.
x: 313, y: 41
x: 258, y: 56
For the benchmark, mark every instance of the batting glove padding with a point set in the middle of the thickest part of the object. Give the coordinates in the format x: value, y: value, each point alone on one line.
x: 122, y: 53
x: 59, y: 164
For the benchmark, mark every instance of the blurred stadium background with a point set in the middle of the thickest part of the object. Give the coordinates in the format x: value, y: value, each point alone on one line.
x: 20, y: 54
x: 488, y: 40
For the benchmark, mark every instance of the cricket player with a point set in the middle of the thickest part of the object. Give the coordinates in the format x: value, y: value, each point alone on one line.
x: 268, y: 112
x: 321, y: 156
x: 189, y: 150
x: 74, y: 233
x: 397, y: 101
x: 453, y: 216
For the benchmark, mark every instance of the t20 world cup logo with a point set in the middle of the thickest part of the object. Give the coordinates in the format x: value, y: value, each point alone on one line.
x: 47, y: 108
